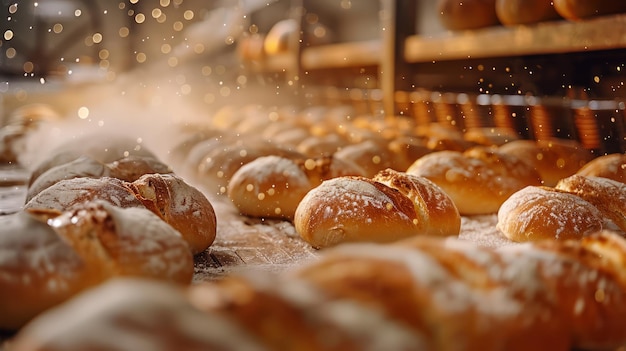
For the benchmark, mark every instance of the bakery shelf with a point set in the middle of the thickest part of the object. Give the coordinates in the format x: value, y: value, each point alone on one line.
x: 350, y: 54
x: 554, y: 37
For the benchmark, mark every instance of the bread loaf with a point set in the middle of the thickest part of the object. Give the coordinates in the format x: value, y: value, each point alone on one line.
x: 478, y: 180
x: 514, y: 12
x: 472, y: 14
x: 541, y: 213
x: 168, y: 196
x: 421, y: 293
x: 391, y: 206
x: 608, y: 195
x: 612, y: 166
x: 576, y: 10
x: 127, y: 169
x: 554, y: 159
x: 47, y: 257
x: 273, y: 186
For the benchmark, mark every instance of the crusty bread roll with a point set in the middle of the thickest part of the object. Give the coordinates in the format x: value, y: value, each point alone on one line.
x: 421, y: 293
x: 46, y: 258
x: 181, y: 205
x: 273, y: 186
x: 612, y: 166
x: 554, y: 159
x: 70, y: 193
x: 513, y: 12
x: 217, y: 167
x: 539, y: 213
x: 369, y: 155
x: 168, y: 196
x: 127, y: 169
x: 127, y: 314
x: 104, y: 148
x: 478, y: 180
x: 467, y: 14
x: 608, y: 195
x: 581, y: 9
x: 391, y: 206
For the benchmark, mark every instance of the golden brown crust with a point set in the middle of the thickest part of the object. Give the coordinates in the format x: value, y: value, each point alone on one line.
x: 478, y: 180
x: 179, y: 204
x: 473, y: 14
x: 581, y: 9
x: 421, y: 293
x: 612, y: 166
x: 346, y: 209
x: 514, y: 12
x: 554, y: 159
x: 608, y: 195
x: 542, y: 213
x: 46, y: 262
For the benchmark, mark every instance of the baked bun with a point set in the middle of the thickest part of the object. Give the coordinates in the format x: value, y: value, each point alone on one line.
x: 82, y: 167
x: 391, y: 206
x: 612, y: 166
x: 131, y: 168
x: 127, y: 169
x: 370, y: 156
x: 181, y: 205
x: 135, y: 312
x: 70, y: 193
x: 540, y: 213
x: 273, y: 186
x: 554, y: 159
x: 513, y: 12
x: 104, y: 148
x: 219, y: 164
x: 467, y: 14
x: 46, y: 258
x: 608, y: 195
x: 168, y: 196
x: 580, y: 9
x: 478, y: 180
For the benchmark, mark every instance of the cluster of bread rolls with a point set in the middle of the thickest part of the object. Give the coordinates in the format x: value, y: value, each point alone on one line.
x: 476, y: 14
x: 423, y: 293
x: 575, y: 207
x: 92, y: 214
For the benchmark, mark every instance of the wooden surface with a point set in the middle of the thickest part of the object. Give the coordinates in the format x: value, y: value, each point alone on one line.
x: 551, y: 37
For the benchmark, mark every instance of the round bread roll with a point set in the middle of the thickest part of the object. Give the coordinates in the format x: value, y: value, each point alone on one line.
x: 467, y: 14
x: 478, y: 180
x: 612, y: 166
x: 82, y: 167
x: 513, y: 12
x: 101, y: 147
x: 132, y: 167
x: 168, y: 196
x: 218, y: 166
x: 273, y: 186
x: 370, y: 156
x: 131, y: 314
x: 45, y: 259
x: 67, y: 194
x: 181, y: 205
x: 554, y: 159
x: 542, y: 213
x: 127, y: 169
x: 391, y: 206
x: 581, y: 9
x: 608, y: 195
